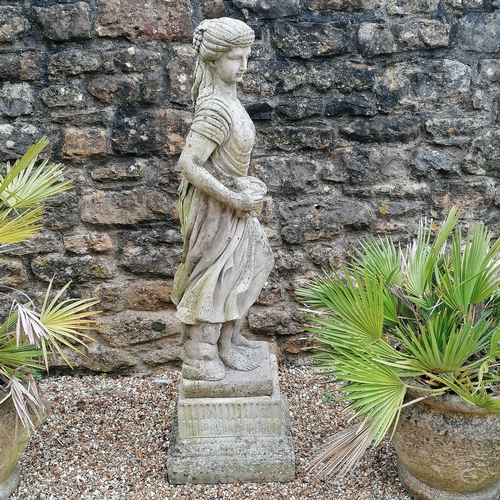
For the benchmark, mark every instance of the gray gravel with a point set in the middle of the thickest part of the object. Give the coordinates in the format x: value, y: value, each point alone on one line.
x: 106, y: 439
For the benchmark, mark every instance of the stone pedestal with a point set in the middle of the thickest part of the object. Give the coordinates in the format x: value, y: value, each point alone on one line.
x: 232, y: 439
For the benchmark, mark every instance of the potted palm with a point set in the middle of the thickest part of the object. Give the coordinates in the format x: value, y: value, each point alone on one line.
x: 29, y: 334
x: 414, y: 333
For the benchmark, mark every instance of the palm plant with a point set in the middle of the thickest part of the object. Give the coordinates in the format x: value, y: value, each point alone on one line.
x: 28, y: 335
x: 424, y: 317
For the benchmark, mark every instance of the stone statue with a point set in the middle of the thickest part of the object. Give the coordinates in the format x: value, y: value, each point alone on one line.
x: 227, y: 257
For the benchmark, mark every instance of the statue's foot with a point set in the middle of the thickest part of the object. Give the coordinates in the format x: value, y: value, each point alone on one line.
x: 239, y: 340
x: 234, y: 359
x: 202, y: 369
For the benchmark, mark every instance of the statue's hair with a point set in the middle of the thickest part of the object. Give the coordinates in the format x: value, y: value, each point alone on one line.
x: 211, y: 39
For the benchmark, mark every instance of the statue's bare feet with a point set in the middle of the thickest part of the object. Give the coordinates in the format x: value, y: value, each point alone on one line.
x: 202, y: 369
x: 239, y: 340
x: 233, y: 358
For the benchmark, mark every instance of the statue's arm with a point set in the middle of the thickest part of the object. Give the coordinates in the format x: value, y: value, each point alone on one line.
x: 196, y: 152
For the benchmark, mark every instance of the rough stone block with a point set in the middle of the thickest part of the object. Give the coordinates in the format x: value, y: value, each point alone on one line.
x: 133, y: 59
x: 264, y: 9
x: 76, y: 269
x: 341, y: 5
x: 232, y: 440
x: 84, y: 143
x: 306, y: 40
x: 128, y: 328
x: 115, y: 88
x: 405, y: 7
x: 86, y: 243
x: 297, y: 109
x: 382, y: 129
x: 15, y: 140
x: 164, y: 20
x: 62, y: 22
x: 14, y: 273
x: 376, y: 38
x: 465, y: 4
x: 149, y: 295
x: 479, y: 32
x: 61, y: 96
x: 159, y: 262
x: 16, y: 99
x: 454, y: 130
x: 489, y: 71
x: 73, y: 62
x: 127, y: 207
x: 258, y: 382
x: 12, y: 23
x: 213, y: 9
x: 277, y: 320
x: 417, y: 33
x: 180, y: 69
x: 296, y: 138
x: 350, y: 106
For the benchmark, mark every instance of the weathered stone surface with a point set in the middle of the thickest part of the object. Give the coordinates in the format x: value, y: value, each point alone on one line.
x: 149, y: 295
x: 486, y: 146
x: 465, y: 4
x: 61, y: 96
x: 479, y: 32
x: 84, y: 143
x: 180, y: 69
x: 133, y: 59
x: 296, y: 109
x: 376, y: 38
x: 345, y: 76
x: 82, y: 118
x: 62, y: 213
x: 268, y: 10
x: 87, y: 243
x: 262, y: 320
x: 76, y: 269
x: 29, y: 66
x: 73, y: 62
x: 454, y: 130
x: 127, y: 207
x: 287, y: 176
x: 65, y: 22
x: 98, y: 357
x: 213, y: 9
x: 341, y: 5
x: 117, y: 88
x: 153, y: 88
x: 418, y: 33
x: 16, y: 139
x: 16, y: 99
x: 489, y: 71
x: 13, y: 273
x: 160, y: 352
x: 12, y: 23
x: 44, y: 241
x: 165, y: 20
x: 130, y: 327
x: 146, y: 132
x: 350, y: 106
x: 429, y: 160
x: 404, y: 7
x: 307, y: 40
x: 382, y: 129
x: 115, y: 172
x: 473, y: 197
x: 294, y: 138
x: 159, y: 262
x: 322, y: 218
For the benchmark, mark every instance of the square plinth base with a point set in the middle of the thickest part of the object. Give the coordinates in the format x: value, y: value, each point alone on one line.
x: 232, y: 440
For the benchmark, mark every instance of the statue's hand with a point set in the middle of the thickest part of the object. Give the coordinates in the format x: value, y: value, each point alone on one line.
x: 248, y: 201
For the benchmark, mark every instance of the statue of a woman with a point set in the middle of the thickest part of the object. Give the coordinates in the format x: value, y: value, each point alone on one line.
x: 227, y: 257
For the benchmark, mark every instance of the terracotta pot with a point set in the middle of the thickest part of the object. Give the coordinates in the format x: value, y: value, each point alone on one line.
x: 13, y: 440
x: 448, y: 449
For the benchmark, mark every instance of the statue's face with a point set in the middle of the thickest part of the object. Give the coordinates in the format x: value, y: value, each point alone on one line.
x: 232, y: 65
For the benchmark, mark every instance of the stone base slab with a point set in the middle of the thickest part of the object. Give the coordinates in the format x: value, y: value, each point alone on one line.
x: 232, y: 440
x: 258, y: 382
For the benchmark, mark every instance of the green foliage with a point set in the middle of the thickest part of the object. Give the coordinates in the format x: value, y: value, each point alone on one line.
x: 28, y: 336
x: 425, y: 316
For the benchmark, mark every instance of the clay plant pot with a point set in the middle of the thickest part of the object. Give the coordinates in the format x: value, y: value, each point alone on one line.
x: 448, y: 449
x: 13, y: 440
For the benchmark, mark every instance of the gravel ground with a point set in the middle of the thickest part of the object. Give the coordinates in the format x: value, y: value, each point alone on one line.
x: 106, y: 439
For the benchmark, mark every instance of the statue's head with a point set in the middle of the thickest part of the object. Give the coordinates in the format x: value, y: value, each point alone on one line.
x: 219, y: 42
x: 214, y: 37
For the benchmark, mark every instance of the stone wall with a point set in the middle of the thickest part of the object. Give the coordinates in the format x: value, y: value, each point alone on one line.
x: 370, y: 114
